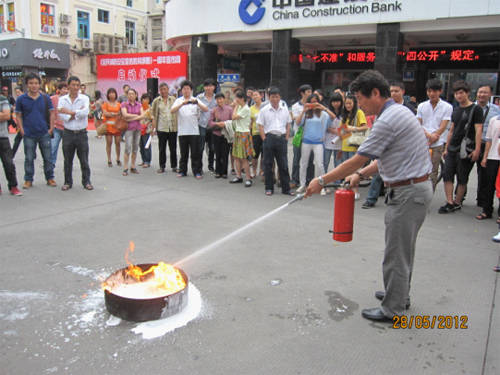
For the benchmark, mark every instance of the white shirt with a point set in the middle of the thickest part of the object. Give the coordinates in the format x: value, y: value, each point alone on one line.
x: 80, y: 106
x: 187, y: 117
x: 431, y: 118
x: 492, y: 135
x: 274, y: 121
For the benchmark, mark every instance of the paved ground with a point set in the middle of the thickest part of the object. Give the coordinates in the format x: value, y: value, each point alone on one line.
x: 56, y: 244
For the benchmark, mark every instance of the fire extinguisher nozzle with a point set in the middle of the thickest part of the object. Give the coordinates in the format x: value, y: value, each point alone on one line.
x: 299, y: 197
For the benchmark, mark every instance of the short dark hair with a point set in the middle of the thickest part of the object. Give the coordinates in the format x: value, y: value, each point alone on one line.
x: 209, y: 81
x: 370, y: 80
x: 250, y: 88
x: 186, y: 83
x: 163, y: 84
x: 110, y: 90
x: 434, y: 84
x: 240, y: 94
x: 18, y: 88
x: 461, y: 85
x: 485, y: 85
x: 304, y: 88
x: 74, y: 78
x: 146, y: 96
x: 31, y: 76
x: 125, y: 85
x: 220, y: 95
x: 97, y: 94
x: 274, y: 91
x: 399, y: 84
x: 82, y: 85
x: 60, y: 86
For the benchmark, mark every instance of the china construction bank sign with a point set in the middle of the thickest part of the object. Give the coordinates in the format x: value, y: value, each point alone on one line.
x: 252, y: 12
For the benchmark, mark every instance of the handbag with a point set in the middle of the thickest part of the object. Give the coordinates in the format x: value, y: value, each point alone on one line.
x: 102, y: 129
x: 357, y: 139
x: 467, y: 145
x: 297, y: 138
x: 121, y: 124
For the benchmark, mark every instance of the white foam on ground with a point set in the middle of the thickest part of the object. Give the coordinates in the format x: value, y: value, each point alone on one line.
x: 157, y: 328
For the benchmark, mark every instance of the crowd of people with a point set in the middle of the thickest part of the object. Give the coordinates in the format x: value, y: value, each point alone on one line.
x: 247, y: 137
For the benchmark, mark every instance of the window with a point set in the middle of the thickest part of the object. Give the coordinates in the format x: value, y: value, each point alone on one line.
x: 129, y: 3
x: 130, y: 32
x: 47, y: 14
x: 83, y: 25
x: 103, y: 15
x: 7, y: 17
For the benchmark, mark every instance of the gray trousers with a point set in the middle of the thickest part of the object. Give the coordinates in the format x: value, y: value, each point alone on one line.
x: 405, y: 214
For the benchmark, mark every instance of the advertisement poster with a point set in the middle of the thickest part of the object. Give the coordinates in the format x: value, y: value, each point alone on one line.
x: 134, y: 69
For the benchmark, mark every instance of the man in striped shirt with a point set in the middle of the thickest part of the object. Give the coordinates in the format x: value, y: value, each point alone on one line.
x: 399, y: 147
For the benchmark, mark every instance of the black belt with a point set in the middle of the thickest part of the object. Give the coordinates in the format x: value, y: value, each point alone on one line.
x: 272, y: 135
x: 76, y: 131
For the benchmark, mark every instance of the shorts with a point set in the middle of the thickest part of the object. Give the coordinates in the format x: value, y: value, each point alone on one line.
x: 454, y: 165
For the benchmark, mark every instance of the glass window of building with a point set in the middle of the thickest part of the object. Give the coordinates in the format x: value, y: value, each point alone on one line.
x: 47, y: 19
x: 83, y: 25
x: 129, y: 3
x: 103, y: 15
x: 7, y: 17
x: 130, y: 32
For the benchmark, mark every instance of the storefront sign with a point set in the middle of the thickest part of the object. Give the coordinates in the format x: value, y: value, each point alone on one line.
x: 34, y: 53
x: 340, y: 57
x: 135, y: 69
x: 41, y: 54
x: 441, y: 55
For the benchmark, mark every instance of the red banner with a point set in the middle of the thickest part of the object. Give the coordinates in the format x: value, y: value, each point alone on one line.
x: 134, y: 69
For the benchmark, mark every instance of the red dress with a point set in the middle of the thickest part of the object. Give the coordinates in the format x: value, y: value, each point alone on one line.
x: 110, y: 121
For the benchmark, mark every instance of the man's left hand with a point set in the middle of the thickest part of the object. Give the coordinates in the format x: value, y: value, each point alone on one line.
x: 314, y: 188
x: 475, y: 155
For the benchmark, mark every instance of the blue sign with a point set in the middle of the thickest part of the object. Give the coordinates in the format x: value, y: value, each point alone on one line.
x: 408, y: 75
x: 256, y: 16
x: 228, y: 78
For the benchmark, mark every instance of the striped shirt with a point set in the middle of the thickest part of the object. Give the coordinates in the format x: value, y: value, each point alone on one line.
x: 399, y: 143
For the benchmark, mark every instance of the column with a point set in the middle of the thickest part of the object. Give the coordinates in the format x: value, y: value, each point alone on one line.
x: 389, y: 42
x: 203, y: 60
x: 285, y: 64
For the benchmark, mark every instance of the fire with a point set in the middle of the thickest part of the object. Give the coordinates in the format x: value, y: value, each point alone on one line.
x: 162, y: 278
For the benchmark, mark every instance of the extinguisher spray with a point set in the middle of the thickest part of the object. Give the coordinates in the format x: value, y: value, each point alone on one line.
x: 343, y: 214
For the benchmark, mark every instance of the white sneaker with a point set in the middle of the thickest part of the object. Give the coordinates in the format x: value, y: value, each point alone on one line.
x: 323, y: 192
x: 301, y: 189
x: 497, y: 237
x: 327, y: 191
x: 357, y: 196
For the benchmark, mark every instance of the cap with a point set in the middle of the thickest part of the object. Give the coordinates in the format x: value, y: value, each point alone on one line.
x: 5, y: 88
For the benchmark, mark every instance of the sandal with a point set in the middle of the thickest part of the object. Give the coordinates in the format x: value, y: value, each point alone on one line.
x: 89, y: 187
x: 133, y: 170
x: 269, y: 192
x: 217, y: 176
x: 118, y: 163
x: 498, y: 220
x: 110, y: 164
x: 66, y: 187
x: 483, y: 216
x: 291, y: 193
x: 125, y: 172
x: 161, y: 170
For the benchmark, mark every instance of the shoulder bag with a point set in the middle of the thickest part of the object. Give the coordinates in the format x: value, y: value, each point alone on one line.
x: 357, y: 139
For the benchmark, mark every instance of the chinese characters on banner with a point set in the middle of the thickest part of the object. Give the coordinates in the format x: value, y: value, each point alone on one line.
x: 134, y: 69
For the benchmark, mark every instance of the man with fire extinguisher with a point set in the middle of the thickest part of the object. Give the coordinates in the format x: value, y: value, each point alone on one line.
x: 401, y: 154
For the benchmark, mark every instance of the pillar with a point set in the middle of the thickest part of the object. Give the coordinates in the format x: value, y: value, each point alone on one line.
x: 389, y: 42
x: 285, y: 64
x: 203, y: 60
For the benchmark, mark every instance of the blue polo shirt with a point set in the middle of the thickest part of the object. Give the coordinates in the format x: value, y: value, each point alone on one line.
x: 33, y: 112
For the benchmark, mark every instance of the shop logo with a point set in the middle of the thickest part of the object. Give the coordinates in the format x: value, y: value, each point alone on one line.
x: 256, y: 16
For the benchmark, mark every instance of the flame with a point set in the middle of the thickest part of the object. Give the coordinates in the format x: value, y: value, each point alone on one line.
x: 166, y: 277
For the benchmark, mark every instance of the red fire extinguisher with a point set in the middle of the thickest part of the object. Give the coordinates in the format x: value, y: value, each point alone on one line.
x: 343, y: 214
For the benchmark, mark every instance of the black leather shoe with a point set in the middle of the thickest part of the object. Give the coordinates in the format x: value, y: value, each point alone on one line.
x: 375, y: 314
x: 368, y: 205
x: 380, y: 296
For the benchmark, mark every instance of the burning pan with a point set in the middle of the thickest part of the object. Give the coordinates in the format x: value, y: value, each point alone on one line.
x: 141, y: 310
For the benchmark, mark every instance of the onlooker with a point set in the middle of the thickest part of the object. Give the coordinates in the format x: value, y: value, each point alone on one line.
x: 5, y: 151
x: 62, y: 89
x: 97, y: 110
x: 35, y: 119
x: 133, y: 113
x: 434, y: 115
x: 216, y: 123
x: 489, y: 111
x: 297, y: 113
x: 124, y: 97
x: 74, y: 111
x: 397, y: 92
x: 146, y: 132
x: 466, y: 121
x: 17, y: 141
x: 242, y: 146
x: 208, y: 99
x: 256, y: 138
x: 490, y: 163
x: 274, y: 128
x: 165, y: 125
x: 332, y: 142
x: 353, y: 121
x: 188, y: 111
x: 314, y: 121
x: 83, y: 91
x: 249, y: 99
x: 110, y: 111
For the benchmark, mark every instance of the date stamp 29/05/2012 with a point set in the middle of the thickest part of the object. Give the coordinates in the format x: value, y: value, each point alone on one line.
x: 430, y: 322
